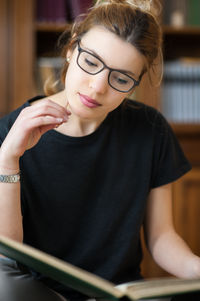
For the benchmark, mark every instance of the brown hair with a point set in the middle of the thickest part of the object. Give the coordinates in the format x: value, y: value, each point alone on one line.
x: 133, y: 21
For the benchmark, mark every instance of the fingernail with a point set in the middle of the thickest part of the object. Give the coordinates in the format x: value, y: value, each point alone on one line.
x: 59, y: 120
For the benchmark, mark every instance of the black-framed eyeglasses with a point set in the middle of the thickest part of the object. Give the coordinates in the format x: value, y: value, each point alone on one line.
x: 92, y: 64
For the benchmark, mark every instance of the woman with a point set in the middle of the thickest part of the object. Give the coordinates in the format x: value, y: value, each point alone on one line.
x: 94, y: 166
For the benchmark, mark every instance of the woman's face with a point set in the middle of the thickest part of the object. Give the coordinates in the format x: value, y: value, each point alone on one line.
x: 90, y: 96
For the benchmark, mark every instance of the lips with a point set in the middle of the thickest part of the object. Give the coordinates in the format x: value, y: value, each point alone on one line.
x: 88, y: 102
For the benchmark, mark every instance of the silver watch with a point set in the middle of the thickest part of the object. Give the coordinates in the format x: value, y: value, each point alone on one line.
x: 10, y: 178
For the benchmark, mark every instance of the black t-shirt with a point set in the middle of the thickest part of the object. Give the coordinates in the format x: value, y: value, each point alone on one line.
x: 84, y: 198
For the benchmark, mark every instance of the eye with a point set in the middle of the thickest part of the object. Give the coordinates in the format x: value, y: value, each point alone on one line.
x: 90, y: 63
x: 121, y: 81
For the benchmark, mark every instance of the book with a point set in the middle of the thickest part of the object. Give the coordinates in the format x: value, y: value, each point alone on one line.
x: 175, y: 12
x: 193, y: 12
x: 181, y: 12
x: 90, y: 284
x: 78, y: 7
x: 51, y: 11
x: 181, y: 91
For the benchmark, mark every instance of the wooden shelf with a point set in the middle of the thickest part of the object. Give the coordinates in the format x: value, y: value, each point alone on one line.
x: 47, y: 33
x: 51, y: 27
x: 186, y: 129
x: 181, y: 42
x: 167, y: 29
x: 185, y: 30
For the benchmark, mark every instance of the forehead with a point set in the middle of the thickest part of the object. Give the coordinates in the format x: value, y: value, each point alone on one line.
x: 114, y: 51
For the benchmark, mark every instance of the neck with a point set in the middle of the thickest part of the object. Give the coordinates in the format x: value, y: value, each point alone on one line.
x: 78, y: 127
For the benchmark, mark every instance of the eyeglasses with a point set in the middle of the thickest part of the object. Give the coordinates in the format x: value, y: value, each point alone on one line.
x: 92, y: 64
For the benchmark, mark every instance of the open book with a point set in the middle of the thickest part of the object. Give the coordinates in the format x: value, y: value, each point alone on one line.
x: 90, y: 284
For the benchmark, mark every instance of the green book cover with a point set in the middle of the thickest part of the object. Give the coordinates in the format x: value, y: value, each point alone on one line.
x: 194, y: 12
x: 90, y: 284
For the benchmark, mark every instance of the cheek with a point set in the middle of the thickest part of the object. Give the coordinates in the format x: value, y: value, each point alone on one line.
x: 70, y: 76
x: 114, y: 101
x: 75, y: 80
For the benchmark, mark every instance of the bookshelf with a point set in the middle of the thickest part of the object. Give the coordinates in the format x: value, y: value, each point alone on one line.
x: 17, y: 53
x: 179, y: 42
x: 50, y: 27
x: 184, y: 30
x: 24, y: 40
x: 4, y: 57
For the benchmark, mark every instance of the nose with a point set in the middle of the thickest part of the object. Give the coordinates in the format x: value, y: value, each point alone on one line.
x: 99, y: 82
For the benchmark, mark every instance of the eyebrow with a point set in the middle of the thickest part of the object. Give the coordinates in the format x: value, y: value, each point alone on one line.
x: 121, y: 70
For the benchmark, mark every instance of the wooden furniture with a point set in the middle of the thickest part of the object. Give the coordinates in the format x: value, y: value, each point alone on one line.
x: 17, y: 53
x: 3, y: 56
x: 183, y: 42
x: 22, y: 40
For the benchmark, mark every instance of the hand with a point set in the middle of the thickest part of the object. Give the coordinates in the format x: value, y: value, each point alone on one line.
x: 28, y: 128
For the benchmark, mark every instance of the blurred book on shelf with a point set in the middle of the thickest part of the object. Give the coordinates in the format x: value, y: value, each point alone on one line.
x: 52, y: 11
x: 48, y: 70
x: 60, y: 11
x: 78, y: 7
x: 180, y: 13
x: 180, y: 101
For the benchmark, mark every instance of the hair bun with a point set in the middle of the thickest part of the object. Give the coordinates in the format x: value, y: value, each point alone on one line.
x: 150, y: 6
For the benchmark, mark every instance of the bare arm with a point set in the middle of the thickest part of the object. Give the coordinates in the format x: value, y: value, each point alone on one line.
x: 10, y: 210
x: 30, y: 125
x: 166, y: 246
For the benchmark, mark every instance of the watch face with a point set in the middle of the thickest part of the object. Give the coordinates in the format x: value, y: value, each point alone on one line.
x: 1, y: 178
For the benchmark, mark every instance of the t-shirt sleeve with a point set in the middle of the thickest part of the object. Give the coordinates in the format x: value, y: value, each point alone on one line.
x: 169, y: 161
x: 7, y: 121
x: 3, y: 130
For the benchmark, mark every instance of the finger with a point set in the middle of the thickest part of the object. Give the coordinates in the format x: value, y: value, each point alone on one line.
x: 67, y: 108
x: 46, y: 109
x: 47, y: 120
x: 41, y: 121
x: 56, y: 123
x: 46, y: 128
x: 50, y: 103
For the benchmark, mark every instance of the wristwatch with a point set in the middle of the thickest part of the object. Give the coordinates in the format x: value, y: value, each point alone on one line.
x: 10, y: 178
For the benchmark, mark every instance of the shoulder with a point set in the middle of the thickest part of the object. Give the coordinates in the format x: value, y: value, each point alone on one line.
x: 138, y: 115
x: 8, y: 120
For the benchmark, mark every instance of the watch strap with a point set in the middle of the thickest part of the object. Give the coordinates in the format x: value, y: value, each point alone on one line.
x: 10, y: 178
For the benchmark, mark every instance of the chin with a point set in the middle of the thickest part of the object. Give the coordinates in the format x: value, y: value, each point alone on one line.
x: 81, y: 112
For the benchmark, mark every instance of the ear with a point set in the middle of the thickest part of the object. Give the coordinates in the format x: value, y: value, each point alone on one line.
x: 69, y: 54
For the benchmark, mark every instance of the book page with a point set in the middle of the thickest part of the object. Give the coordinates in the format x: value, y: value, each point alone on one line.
x: 162, y: 287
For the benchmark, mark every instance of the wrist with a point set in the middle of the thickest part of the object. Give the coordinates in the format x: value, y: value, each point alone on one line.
x: 8, y: 165
x: 5, y: 170
x: 14, y: 178
x: 7, y: 160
